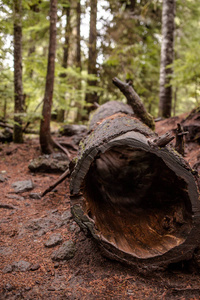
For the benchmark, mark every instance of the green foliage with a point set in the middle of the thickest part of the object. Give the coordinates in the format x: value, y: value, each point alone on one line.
x: 186, y: 78
x: 129, y: 46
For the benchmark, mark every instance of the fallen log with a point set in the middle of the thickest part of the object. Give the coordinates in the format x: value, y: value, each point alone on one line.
x: 135, y: 195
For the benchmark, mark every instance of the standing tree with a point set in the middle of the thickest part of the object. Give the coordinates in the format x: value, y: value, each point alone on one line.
x: 66, y: 47
x: 46, y: 141
x: 92, y: 97
x: 18, y: 86
x: 167, y: 56
x: 78, y: 34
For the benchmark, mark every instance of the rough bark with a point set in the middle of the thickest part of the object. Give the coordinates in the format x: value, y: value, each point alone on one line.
x: 137, y: 197
x: 192, y: 125
x: 78, y: 34
x: 108, y: 109
x: 78, y: 104
x: 18, y: 86
x: 68, y: 31
x: 135, y: 102
x: 90, y: 98
x: 66, y: 47
x: 46, y: 142
x: 167, y: 56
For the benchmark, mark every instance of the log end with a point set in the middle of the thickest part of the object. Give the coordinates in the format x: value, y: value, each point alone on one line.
x: 139, y: 202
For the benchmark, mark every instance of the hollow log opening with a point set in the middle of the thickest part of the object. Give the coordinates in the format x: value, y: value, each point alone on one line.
x: 137, y: 202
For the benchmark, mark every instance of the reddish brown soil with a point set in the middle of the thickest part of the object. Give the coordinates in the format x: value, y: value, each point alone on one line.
x: 87, y: 275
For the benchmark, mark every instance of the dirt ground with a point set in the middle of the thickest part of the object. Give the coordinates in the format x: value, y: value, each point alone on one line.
x: 27, y: 270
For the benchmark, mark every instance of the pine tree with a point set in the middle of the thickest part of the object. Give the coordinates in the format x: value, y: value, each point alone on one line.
x: 167, y: 56
x: 46, y: 141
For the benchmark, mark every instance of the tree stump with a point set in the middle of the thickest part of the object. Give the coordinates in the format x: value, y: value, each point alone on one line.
x: 137, y: 197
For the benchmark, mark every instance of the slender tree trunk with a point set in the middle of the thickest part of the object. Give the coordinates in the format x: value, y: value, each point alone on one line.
x: 78, y: 57
x: 68, y: 31
x: 46, y: 142
x: 18, y: 86
x: 167, y: 56
x: 78, y: 34
x: 92, y: 97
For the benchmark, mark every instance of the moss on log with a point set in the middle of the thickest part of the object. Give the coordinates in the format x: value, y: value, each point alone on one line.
x: 138, y: 198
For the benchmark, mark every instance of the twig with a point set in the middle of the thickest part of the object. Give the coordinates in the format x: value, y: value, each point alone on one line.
x: 60, y: 179
x: 135, y: 102
x: 58, y: 145
x: 8, y: 206
x: 161, y: 141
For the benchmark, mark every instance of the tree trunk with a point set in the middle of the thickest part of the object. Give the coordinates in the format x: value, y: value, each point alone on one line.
x: 18, y: 86
x: 135, y: 195
x: 68, y: 31
x: 78, y: 34
x: 45, y: 134
x: 90, y: 97
x: 78, y: 57
x: 167, y: 56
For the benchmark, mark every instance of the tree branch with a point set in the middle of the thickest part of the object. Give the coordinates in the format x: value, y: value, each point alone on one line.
x: 135, y: 102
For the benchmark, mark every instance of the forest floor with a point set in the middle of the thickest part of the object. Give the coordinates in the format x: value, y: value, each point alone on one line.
x: 27, y: 270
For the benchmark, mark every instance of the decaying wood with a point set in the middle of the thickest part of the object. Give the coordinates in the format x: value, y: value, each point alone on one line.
x: 108, y: 109
x: 180, y: 144
x: 7, y: 206
x: 140, y: 202
x: 135, y: 102
x: 161, y: 141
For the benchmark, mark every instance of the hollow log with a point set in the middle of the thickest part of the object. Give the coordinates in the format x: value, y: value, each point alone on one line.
x: 139, y: 199
x: 108, y: 109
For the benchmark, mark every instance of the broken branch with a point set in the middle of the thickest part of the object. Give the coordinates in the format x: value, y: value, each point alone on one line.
x: 135, y: 102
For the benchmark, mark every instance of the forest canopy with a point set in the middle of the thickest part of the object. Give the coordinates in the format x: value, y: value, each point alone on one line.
x: 125, y: 42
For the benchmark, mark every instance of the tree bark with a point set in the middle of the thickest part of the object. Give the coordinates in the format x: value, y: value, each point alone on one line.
x: 135, y: 102
x: 135, y: 195
x: 66, y: 47
x: 46, y: 142
x: 78, y: 34
x: 18, y: 86
x: 68, y: 31
x: 90, y: 97
x: 167, y: 56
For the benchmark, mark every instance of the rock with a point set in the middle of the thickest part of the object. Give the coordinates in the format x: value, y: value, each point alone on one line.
x: 35, y: 196
x: 6, y: 136
x: 17, y: 197
x: 70, y: 130
x: 7, y: 269
x: 38, y: 224
x: 54, y: 240
x: 23, y: 186
x: 54, y: 163
x: 65, y: 252
x: 2, y: 178
x: 56, y: 265
x: 43, y: 225
x: 73, y: 227
x: 8, y: 287
x: 21, y: 266
x: 34, y: 267
x: 5, y: 250
x: 66, y: 217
